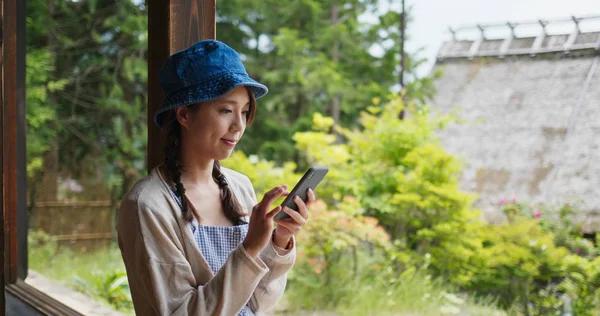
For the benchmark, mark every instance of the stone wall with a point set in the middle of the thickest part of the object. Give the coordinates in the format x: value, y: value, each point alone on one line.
x: 516, y: 136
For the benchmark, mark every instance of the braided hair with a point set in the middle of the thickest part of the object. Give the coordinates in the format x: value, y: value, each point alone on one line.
x: 172, y: 150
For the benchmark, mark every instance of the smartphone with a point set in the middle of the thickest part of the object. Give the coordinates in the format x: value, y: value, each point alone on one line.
x: 310, y: 180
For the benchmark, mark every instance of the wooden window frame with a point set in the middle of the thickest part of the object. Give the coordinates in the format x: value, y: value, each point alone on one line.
x: 2, y: 273
x: 14, y: 170
x: 172, y: 25
x: 13, y: 134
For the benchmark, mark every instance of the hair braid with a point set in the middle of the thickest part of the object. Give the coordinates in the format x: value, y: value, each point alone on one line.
x: 231, y: 206
x: 174, y: 168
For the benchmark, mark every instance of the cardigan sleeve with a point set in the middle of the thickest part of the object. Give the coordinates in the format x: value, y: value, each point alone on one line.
x: 160, y: 277
x: 271, y: 286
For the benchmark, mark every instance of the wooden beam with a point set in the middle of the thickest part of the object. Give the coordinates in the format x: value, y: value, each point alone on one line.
x: 74, y: 204
x: 38, y: 300
x: 13, y: 140
x: 172, y: 26
x: 2, y: 279
x: 89, y: 236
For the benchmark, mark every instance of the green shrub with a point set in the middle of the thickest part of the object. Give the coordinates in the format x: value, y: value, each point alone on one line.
x: 401, y: 175
x: 110, y: 286
x: 335, y: 253
x: 516, y: 259
x: 574, y: 276
x: 264, y: 174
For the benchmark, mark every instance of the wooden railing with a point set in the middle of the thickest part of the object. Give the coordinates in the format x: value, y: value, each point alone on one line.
x: 77, y: 222
x: 543, y: 42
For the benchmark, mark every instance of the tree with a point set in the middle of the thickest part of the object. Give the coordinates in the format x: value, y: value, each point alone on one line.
x: 86, y: 80
x: 400, y: 173
x: 315, y: 56
x: 329, y: 56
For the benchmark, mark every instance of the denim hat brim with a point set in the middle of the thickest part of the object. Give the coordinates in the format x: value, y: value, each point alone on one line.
x: 209, y: 89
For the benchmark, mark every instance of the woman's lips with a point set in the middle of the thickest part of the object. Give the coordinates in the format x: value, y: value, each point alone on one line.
x: 229, y: 142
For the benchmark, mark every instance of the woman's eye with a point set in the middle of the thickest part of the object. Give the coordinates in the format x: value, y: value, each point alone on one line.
x: 226, y: 111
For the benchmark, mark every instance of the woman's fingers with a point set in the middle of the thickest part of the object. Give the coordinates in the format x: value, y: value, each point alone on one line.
x: 302, y: 208
x: 297, y: 217
x: 274, y: 212
x: 289, y: 225
x: 271, y: 196
x: 311, y: 196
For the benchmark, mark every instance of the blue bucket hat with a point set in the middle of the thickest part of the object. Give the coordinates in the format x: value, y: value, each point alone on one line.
x: 205, y: 71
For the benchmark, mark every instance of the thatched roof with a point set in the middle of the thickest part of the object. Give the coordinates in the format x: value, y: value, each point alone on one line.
x: 533, y: 130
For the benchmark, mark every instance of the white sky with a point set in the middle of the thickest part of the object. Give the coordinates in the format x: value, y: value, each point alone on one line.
x: 431, y: 18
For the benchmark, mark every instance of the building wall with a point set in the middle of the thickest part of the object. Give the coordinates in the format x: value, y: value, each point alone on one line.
x: 517, y: 112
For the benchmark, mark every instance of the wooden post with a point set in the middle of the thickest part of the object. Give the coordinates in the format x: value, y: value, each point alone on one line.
x: 172, y: 26
x: 335, y: 58
x: 402, y: 40
x: 13, y: 140
x: 2, y: 281
x: 402, y: 58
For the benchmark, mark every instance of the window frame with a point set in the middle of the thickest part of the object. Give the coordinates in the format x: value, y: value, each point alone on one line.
x: 14, y: 170
x: 13, y: 140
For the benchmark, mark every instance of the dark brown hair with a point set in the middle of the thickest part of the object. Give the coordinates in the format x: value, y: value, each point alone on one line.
x: 231, y: 206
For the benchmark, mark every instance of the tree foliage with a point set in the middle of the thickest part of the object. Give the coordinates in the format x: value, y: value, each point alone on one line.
x: 86, y: 83
x: 88, y: 73
x: 328, y: 57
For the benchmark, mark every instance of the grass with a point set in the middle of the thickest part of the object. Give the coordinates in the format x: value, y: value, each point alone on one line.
x: 65, y: 264
x: 414, y: 294
x: 100, y: 274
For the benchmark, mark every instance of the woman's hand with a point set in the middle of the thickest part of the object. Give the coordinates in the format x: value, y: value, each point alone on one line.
x: 260, y: 228
x: 288, y: 227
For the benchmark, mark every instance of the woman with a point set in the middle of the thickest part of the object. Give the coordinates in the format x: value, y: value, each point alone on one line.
x: 192, y: 235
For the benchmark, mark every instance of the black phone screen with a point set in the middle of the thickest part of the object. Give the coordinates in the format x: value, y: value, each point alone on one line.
x: 310, y: 180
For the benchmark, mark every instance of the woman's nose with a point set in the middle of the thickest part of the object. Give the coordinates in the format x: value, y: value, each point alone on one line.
x: 238, y: 122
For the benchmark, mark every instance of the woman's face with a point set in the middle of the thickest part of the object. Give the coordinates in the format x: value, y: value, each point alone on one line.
x: 213, y: 128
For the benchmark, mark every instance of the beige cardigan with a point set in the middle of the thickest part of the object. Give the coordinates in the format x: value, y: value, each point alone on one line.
x: 167, y: 273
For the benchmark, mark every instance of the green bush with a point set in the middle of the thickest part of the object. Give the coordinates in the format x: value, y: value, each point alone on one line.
x: 516, y: 258
x: 344, y: 266
x: 401, y: 175
x: 398, y: 170
x: 557, y: 220
x: 336, y: 251
x: 264, y: 174
x: 570, y: 271
x: 110, y: 286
